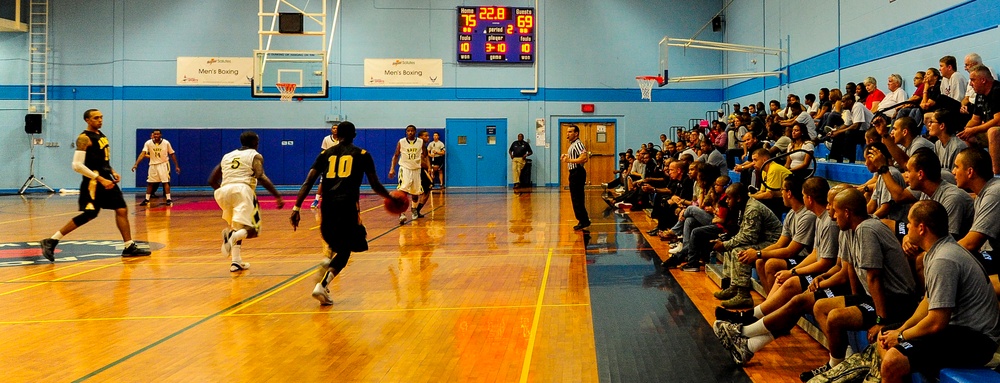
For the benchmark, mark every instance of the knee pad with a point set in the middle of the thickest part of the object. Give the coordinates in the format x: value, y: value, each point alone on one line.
x: 85, y: 217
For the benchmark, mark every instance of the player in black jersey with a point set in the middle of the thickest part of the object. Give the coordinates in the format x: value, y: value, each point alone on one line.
x: 99, y: 189
x: 343, y: 168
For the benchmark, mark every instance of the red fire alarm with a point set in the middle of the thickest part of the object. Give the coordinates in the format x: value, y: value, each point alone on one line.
x: 587, y: 108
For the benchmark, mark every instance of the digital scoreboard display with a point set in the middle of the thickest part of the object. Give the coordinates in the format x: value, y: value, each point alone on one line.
x: 496, y: 35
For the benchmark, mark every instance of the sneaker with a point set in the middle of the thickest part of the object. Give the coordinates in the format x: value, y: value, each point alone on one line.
x: 402, y: 218
x: 581, y: 226
x: 238, y: 266
x: 620, y: 189
x: 227, y: 248
x: 322, y: 295
x: 851, y: 369
x: 738, y: 317
x: 676, y: 249
x: 170, y: 202
x: 49, y: 248
x: 135, y: 251
x: 806, y: 376
x: 726, y: 293
x: 740, y: 350
x: 144, y: 202
x: 726, y: 332
x: 742, y: 300
x: 671, y: 262
x: 691, y: 267
x: 315, y: 204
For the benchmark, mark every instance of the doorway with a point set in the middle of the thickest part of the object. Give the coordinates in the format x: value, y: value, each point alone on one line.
x: 476, y: 149
x: 599, y: 139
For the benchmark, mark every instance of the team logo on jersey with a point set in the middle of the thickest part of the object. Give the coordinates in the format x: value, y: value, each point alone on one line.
x: 30, y: 253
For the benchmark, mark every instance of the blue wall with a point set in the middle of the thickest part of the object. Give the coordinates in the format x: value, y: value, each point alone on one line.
x: 831, y: 43
x: 119, y: 57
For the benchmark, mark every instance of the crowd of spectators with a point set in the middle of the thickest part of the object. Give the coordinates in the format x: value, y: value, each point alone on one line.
x: 906, y: 256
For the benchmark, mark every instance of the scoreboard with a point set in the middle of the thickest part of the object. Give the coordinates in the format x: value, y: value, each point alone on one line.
x: 496, y: 35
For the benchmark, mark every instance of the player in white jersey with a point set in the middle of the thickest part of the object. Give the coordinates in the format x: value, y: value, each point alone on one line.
x: 328, y: 142
x: 234, y: 181
x: 409, y: 151
x: 157, y: 149
x: 435, y: 149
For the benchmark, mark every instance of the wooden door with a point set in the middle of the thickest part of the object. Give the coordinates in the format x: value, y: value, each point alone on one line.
x: 599, y: 140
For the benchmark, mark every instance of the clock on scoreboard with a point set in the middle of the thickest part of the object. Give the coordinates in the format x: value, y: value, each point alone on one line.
x: 496, y: 35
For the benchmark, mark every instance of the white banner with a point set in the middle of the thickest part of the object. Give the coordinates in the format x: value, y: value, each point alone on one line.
x: 214, y: 70
x: 403, y: 72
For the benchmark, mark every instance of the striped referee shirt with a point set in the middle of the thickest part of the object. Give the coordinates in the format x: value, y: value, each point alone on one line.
x: 575, y: 150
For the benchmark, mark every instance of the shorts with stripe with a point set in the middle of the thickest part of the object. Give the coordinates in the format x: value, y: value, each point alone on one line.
x: 159, y: 173
x: 93, y: 196
x: 239, y: 205
x: 829, y: 292
x: 409, y: 181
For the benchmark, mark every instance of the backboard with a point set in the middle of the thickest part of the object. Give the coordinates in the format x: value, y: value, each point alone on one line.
x: 305, y: 69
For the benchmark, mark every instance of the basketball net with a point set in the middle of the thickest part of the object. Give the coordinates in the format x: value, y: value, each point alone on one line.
x: 646, y: 85
x: 287, y: 90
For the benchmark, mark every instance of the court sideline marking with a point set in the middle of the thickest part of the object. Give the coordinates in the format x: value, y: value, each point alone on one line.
x: 212, y: 316
x: 534, y: 322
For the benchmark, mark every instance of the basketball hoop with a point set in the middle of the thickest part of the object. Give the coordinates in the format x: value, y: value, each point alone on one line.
x: 287, y: 90
x: 646, y: 85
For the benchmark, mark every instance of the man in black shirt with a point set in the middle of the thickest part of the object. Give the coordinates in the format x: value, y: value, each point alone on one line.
x: 343, y: 167
x: 519, y: 152
x: 99, y: 189
x: 985, y: 114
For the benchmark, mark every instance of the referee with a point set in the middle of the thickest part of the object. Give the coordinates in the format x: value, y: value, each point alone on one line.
x: 574, y: 158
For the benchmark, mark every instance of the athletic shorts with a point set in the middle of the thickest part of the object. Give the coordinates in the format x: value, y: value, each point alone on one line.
x: 900, y: 308
x: 793, y: 261
x: 341, y: 226
x: 953, y: 346
x: 437, y: 161
x: 93, y: 196
x: 239, y: 205
x: 829, y: 292
x: 159, y: 173
x: 409, y: 181
x: 988, y: 260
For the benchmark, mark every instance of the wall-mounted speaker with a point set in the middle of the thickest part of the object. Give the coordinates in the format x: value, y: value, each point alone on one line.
x: 717, y: 24
x: 33, y: 123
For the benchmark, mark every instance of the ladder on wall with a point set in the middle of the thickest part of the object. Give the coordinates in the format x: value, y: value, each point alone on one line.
x: 38, y: 56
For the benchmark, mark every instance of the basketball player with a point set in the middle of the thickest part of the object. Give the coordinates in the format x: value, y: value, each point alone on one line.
x: 328, y: 142
x: 343, y: 166
x: 99, y: 189
x: 234, y: 181
x: 157, y: 149
x: 409, y: 150
x: 426, y: 181
x: 436, y: 149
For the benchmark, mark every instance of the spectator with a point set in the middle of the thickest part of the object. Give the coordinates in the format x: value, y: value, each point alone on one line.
x: 678, y: 185
x: 811, y: 103
x: 745, y: 168
x: 758, y: 228
x: 799, y: 161
x: 904, y: 140
x: 777, y: 139
x: 942, y: 125
x: 796, y: 239
x: 896, y: 95
x: 971, y: 60
x: 698, y: 236
x: 847, y: 137
x: 851, y: 90
x: 799, y: 116
x: 956, y: 325
x: 714, y: 158
x: 953, y: 84
x: 773, y: 177
x: 973, y: 172
x: 986, y: 112
x: 880, y: 203
x: 875, y: 96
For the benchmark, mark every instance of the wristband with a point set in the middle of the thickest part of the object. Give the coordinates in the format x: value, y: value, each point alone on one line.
x: 759, y: 254
x: 794, y: 272
x: 900, y: 338
x: 296, y: 209
x: 879, y: 320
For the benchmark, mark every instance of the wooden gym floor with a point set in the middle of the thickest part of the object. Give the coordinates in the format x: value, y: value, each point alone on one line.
x: 492, y: 286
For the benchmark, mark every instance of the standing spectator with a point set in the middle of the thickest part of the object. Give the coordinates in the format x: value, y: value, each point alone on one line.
x: 519, y: 152
x: 576, y: 155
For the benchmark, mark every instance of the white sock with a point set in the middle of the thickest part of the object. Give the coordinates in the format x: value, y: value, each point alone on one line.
x: 237, y: 236
x: 757, y: 312
x: 835, y: 361
x: 129, y: 243
x: 236, y: 254
x: 758, y: 342
x: 147, y: 197
x: 57, y: 236
x: 755, y: 329
x: 168, y: 195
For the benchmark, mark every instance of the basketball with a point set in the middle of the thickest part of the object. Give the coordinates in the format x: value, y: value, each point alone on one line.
x: 397, y: 203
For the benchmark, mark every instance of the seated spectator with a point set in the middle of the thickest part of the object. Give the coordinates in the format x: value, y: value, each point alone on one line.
x: 697, y: 211
x: 773, y: 177
x: 880, y: 203
x: 829, y: 115
x: 698, y: 239
x: 896, y: 96
x: 847, y: 138
x: 745, y: 167
x: 904, y: 140
x: 934, y: 97
x: 883, y: 289
x: 851, y: 90
x: 973, y: 172
x: 620, y: 174
x: 734, y: 136
x: 811, y: 105
x: 796, y: 239
x: 774, y: 115
x: 985, y: 113
x: 800, y: 116
x: 824, y: 99
x: 953, y: 84
x: 943, y: 126
x: 971, y: 61
x: 758, y: 228
x: 713, y: 157
x: 905, y: 108
x: 791, y: 296
x: 799, y: 162
x: 678, y: 184
x: 777, y: 139
x: 956, y: 323
x: 875, y: 96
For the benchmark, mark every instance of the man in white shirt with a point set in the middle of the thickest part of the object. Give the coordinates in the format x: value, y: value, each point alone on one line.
x: 953, y: 84
x: 896, y: 95
x: 848, y: 137
x: 157, y: 149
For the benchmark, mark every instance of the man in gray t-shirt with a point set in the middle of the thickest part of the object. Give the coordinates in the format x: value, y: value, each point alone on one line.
x: 925, y: 181
x: 881, y: 203
x: 795, y: 242
x: 956, y: 325
x: 974, y: 171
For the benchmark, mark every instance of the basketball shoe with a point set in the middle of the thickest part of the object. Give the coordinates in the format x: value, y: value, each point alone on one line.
x: 49, y: 248
x: 322, y: 294
x: 227, y: 248
x: 135, y: 251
